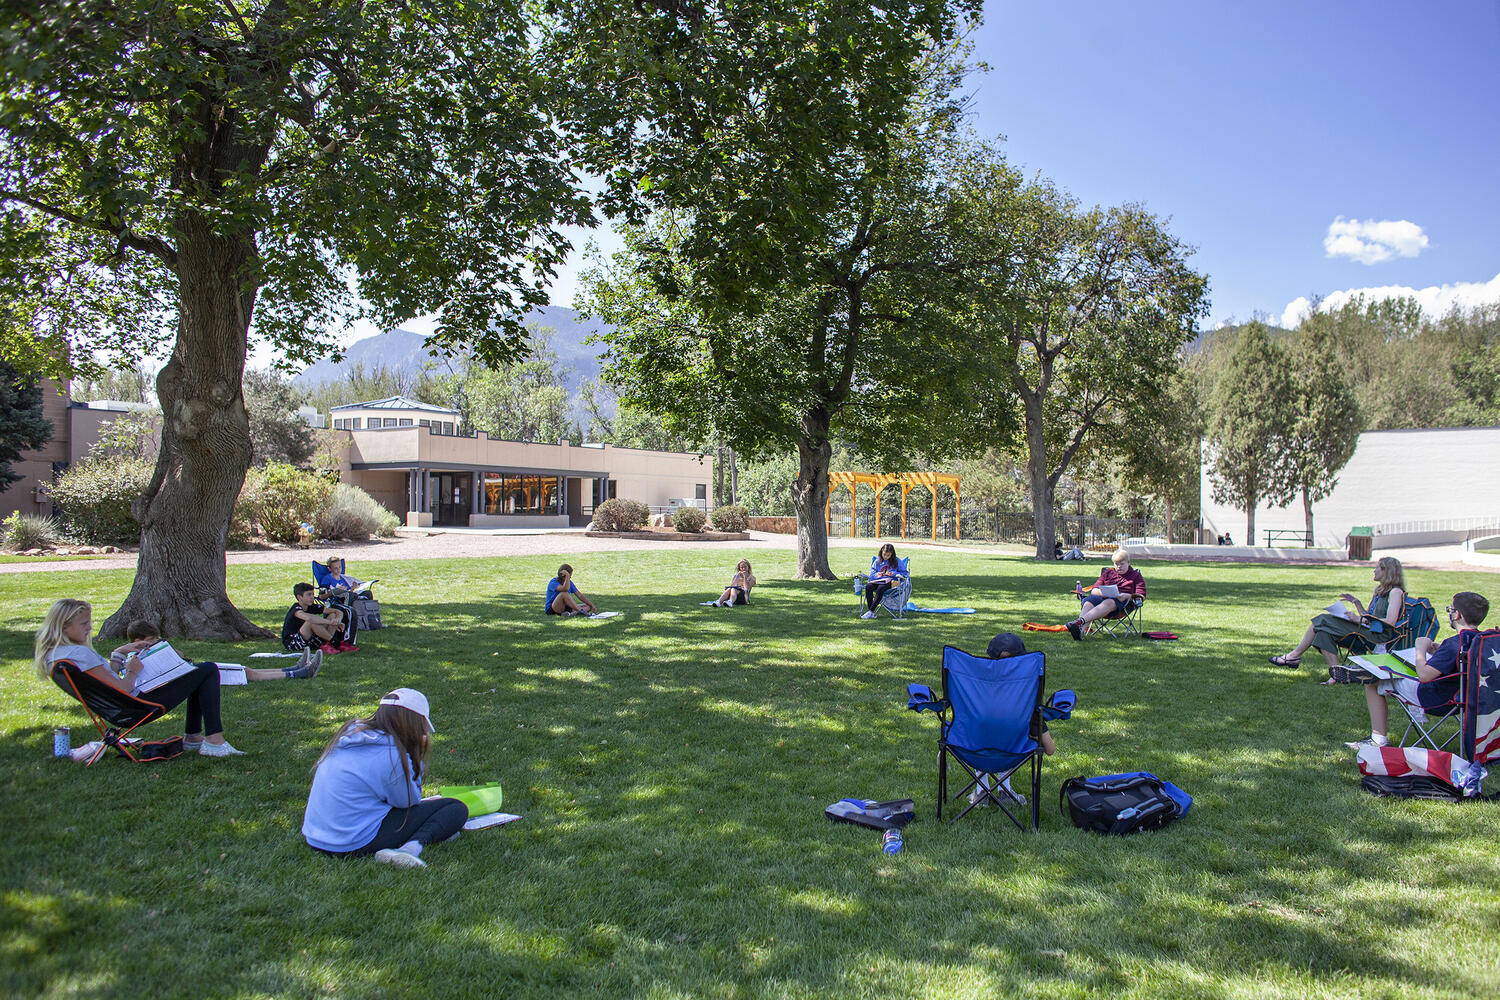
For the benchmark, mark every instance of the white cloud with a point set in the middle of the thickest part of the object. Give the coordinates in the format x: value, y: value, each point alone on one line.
x: 1372, y: 242
x: 1435, y: 300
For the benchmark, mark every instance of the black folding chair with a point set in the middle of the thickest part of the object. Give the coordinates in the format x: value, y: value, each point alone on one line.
x: 116, y: 714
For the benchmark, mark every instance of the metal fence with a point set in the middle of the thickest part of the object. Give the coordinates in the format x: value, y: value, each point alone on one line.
x: 986, y: 522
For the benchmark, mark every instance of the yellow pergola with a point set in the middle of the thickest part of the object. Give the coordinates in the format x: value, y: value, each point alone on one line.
x: 878, y: 481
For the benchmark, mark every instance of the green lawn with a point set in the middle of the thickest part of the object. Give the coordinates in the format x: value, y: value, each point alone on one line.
x: 672, y: 766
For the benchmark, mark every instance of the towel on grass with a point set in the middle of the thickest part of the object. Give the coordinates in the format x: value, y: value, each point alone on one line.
x: 1039, y: 627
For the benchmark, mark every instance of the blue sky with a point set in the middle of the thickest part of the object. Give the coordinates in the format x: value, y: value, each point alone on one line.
x: 1267, y: 131
x: 1255, y: 126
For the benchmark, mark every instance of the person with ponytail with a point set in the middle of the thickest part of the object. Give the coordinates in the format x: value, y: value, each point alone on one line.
x: 366, y: 796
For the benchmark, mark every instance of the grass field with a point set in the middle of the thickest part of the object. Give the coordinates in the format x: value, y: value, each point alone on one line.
x: 672, y: 766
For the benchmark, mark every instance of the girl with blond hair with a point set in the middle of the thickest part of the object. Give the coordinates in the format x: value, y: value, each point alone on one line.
x: 65, y: 635
x: 1360, y: 630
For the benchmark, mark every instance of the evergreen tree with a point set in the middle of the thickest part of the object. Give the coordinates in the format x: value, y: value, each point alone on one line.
x: 22, y: 425
x: 1326, y: 421
x: 1250, y: 423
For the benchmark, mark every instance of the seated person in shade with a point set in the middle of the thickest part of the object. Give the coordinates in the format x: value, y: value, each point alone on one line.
x: 885, y: 573
x: 564, y: 597
x: 310, y: 625
x: 1095, y: 605
x: 1360, y: 630
x: 1004, y: 645
x: 1436, y: 683
x: 141, y: 634
x: 738, y: 591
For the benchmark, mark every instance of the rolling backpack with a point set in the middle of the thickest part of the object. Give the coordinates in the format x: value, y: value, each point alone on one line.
x: 1122, y: 803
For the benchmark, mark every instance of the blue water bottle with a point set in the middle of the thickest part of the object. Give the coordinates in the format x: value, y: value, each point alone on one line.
x: 891, y: 843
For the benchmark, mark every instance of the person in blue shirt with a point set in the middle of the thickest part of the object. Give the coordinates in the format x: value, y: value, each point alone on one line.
x: 564, y: 597
x: 366, y: 795
x: 1436, y: 683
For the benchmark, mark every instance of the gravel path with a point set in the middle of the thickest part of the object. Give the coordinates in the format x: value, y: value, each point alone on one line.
x: 454, y: 544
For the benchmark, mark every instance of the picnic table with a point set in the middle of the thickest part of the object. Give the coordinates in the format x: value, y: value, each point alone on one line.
x: 1273, y: 535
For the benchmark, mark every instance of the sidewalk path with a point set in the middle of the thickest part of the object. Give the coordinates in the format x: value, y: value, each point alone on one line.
x: 461, y: 544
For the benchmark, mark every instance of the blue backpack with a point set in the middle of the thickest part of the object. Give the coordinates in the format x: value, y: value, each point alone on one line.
x: 1122, y: 803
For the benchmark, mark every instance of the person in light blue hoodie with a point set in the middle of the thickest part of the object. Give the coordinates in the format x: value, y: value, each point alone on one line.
x: 366, y: 795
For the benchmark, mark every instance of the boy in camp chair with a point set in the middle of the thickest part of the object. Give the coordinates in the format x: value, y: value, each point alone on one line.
x: 1436, y: 685
x: 1004, y: 645
x: 1095, y: 604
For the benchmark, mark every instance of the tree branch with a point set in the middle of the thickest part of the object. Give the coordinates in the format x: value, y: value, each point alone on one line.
x: 153, y: 245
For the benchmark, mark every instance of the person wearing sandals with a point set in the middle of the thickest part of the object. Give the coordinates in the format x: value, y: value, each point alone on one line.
x: 1360, y: 630
x: 738, y: 591
x: 366, y: 795
x: 65, y: 635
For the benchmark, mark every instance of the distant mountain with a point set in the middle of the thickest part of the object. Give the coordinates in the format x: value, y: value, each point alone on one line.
x: 402, y: 351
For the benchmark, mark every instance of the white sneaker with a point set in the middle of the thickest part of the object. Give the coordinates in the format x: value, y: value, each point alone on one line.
x: 208, y: 749
x: 868, y: 615
x: 399, y: 858
x: 1005, y: 787
x: 979, y: 798
x: 1368, y: 741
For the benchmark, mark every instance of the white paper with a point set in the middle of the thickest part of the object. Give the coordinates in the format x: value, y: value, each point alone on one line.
x: 160, y: 664
x: 489, y: 819
x: 1110, y: 591
x: 278, y: 656
x: 605, y: 614
x: 1339, y: 608
x: 231, y: 674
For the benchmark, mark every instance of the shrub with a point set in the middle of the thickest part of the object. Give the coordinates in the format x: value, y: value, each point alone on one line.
x: 282, y: 498
x: 731, y: 517
x: 28, y: 531
x: 93, y: 498
x: 688, y: 519
x: 354, y: 514
x: 620, y: 515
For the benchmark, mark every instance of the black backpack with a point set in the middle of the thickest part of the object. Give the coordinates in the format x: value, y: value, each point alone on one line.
x: 1122, y: 803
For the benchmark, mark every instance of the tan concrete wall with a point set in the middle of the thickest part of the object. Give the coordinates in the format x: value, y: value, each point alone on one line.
x: 653, y: 477
x: 1394, y: 476
x: 35, y: 467
x: 387, y: 487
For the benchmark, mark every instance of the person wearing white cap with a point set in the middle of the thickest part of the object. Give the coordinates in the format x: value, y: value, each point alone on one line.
x: 366, y: 795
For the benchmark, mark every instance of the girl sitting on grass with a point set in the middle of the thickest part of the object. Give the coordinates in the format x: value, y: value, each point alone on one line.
x: 738, y: 591
x: 64, y: 635
x: 564, y: 597
x: 366, y: 795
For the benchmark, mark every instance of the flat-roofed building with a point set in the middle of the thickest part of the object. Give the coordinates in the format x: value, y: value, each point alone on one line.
x: 409, y: 456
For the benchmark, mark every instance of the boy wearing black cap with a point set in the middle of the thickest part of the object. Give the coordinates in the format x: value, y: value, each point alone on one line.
x: 1002, y: 646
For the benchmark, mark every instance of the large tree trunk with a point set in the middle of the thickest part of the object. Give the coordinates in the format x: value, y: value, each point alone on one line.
x: 1250, y: 520
x: 205, y: 449
x: 1042, y: 519
x: 734, y: 478
x: 810, y: 497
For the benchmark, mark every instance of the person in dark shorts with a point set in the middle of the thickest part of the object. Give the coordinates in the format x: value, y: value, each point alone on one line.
x: 738, y: 591
x: 310, y: 625
x: 564, y: 597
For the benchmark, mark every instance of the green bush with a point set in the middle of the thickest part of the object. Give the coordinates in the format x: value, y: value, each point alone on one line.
x: 620, y: 515
x: 281, y: 498
x: 28, y: 531
x: 354, y: 514
x: 93, y: 498
x: 731, y: 517
x: 688, y: 519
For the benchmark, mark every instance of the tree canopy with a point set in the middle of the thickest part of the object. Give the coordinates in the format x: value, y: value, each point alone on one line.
x: 23, y: 427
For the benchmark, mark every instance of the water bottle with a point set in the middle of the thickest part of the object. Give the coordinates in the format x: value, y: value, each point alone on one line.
x: 1077, y: 586
x: 891, y: 843
x: 62, y: 742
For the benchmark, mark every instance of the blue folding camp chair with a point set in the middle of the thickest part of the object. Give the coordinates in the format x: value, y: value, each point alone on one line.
x: 989, y: 717
x: 893, y: 602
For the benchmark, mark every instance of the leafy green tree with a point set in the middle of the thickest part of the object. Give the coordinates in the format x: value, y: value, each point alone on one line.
x: 1090, y: 314
x: 177, y: 170
x: 277, y: 433
x: 1250, y: 422
x: 128, y: 385
x: 134, y: 434
x: 859, y: 349
x: 1163, y: 457
x: 23, y: 427
x: 519, y: 401
x: 1326, y: 422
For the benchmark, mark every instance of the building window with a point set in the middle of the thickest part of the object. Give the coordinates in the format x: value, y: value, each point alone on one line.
x: 700, y: 492
x: 404, y: 422
x: 424, y: 423
x: 447, y: 427
x: 353, y: 424
x: 514, y: 493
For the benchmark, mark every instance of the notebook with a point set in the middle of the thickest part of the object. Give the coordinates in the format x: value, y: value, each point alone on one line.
x: 159, y: 664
